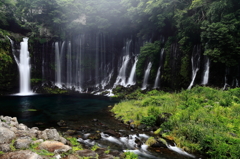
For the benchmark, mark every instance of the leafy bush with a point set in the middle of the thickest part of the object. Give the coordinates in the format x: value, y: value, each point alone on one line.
x: 149, y: 120
x: 130, y: 155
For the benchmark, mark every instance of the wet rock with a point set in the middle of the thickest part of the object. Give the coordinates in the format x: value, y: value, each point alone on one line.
x: 115, y: 153
x: 61, y: 123
x: 22, y: 143
x: 138, y: 142
x: 84, y: 128
x: 6, y: 135
x: 95, y: 136
x: 132, y: 125
x: 130, y: 121
x: 107, y: 156
x: 100, y: 151
x: 70, y: 132
x: 72, y: 157
x: 23, y: 154
x: 5, y: 147
x: 112, y: 133
x: 142, y: 126
x: 95, y: 120
x: 54, y: 146
x: 86, y: 153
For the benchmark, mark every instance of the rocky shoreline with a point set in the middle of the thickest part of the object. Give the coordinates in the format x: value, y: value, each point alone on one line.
x: 19, y: 141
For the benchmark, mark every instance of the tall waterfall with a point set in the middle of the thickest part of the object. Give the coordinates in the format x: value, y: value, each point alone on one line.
x: 122, y: 75
x: 206, y: 71
x: 146, y: 76
x: 131, y: 80
x: 157, y: 80
x: 195, y: 63
x: 23, y: 62
x: 58, y: 76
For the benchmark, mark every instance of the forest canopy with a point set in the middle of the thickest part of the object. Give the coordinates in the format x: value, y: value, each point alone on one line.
x: 212, y: 23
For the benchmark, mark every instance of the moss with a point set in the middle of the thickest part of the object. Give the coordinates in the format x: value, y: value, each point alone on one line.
x: 150, y: 141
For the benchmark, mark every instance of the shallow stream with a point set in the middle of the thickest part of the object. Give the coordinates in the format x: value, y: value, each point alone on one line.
x: 85, y: 114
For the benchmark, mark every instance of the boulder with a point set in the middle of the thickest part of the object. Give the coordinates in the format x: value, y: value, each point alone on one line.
x: 22, y: 127
x: 112, y: 133
x: 23, y: 154
x: 54, y: 146
x: 23, y: 143
x: 6, y: 135
x: 107, y: 156
x: 5, y: 147
x: 52, y: 134
x: 86, y: 153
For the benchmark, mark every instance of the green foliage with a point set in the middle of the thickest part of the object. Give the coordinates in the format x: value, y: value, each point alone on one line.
x: 94, y: 147
x: 12, y: 145
x: 1, y: 152
x: 149, y: 120
x: 150, y: 52
x: 73, y: 141
x: 130, y: 155
x: 75, y: 144
x: 203, y: 119
x: 44, y: 152
x: 150, y: 141
x: 54, y: 90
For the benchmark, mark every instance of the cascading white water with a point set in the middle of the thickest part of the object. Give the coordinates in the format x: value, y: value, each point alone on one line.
x: 206, y: 72
x: 156, y: 83
x: 24, y: 69
x: 157, y: 79
x: 195, y: 64
x: 58, y: 76
x: 131, y: 80
x: 69, y: 66
x: 121, y: 78
x: 146, y: 76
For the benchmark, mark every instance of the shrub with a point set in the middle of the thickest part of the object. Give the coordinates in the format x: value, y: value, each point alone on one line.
x: 130, y: 155
x: 149, y: 120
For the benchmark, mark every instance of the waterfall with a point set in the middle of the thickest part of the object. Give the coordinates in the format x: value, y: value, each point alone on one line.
x: 206, y: 71
x: 156, y: 83
x: 121, y: 78
x: 69, y: 66
x: 226, y: 85
x: 195, y: 64
x: 157, y: 80
x: 24, y: 68
x: 58, y: 79
x: 131, y: 80
x: 146, y: 76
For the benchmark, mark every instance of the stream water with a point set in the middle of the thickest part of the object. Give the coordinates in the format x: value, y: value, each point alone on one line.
x: 86, y: 114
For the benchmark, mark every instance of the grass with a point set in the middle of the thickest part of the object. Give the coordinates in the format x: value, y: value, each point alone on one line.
x: 203, y: 119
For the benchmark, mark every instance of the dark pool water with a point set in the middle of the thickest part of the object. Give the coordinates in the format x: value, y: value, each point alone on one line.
x: 48, y: 109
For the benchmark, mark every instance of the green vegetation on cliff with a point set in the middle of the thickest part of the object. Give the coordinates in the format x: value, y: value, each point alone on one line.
x: 203, y: 119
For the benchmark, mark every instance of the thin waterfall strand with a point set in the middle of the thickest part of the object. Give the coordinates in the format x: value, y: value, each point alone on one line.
x: 131, y: 79
x: 146, y: 76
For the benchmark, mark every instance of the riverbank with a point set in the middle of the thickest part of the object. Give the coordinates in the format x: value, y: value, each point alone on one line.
x: 202, y: 120
x: 19, y: 141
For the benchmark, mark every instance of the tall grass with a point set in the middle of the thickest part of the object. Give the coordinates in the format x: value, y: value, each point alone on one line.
x: 203, y: 119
